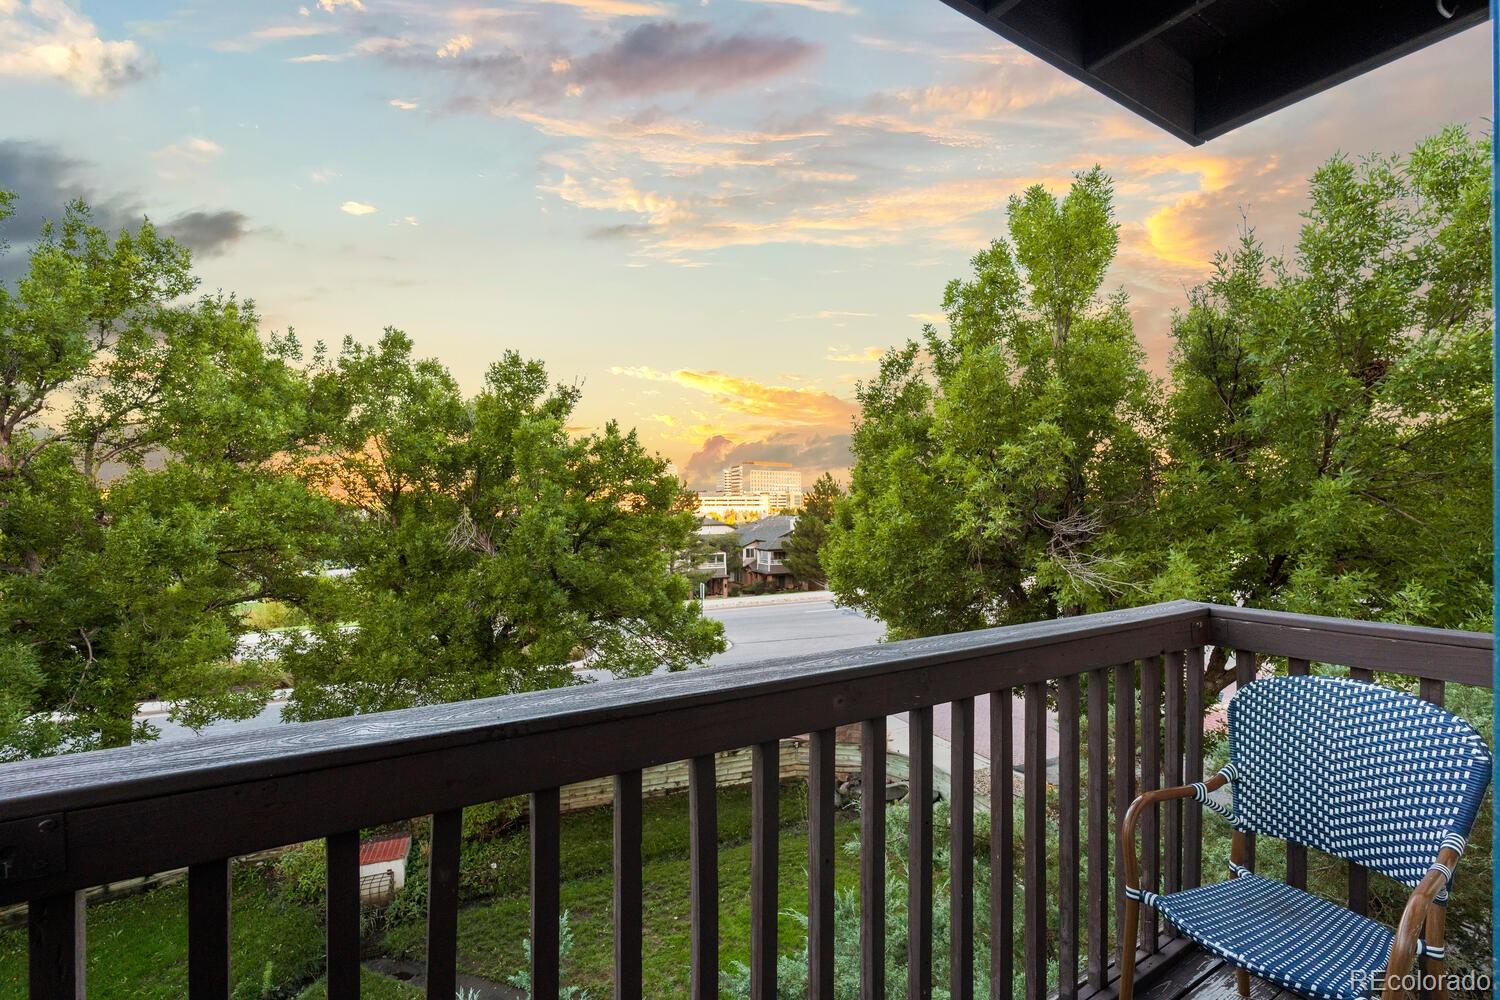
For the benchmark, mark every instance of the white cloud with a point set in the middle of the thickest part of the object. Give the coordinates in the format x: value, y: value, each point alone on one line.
x: 332, y: 5
x: 268, y: 35
x: 600, y: 9
x: 403, y: 105
x: 357, y: 208
x: 843, y: 353
x: 322, y: 175
x: 195, y: 148
x: 832, y: 314
x: 48, y: 39
x: 455, y: 46
x: 180, y: 158
x: 316, y: 57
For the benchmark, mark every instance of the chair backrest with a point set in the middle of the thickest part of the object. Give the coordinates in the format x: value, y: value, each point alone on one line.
x: 1357, y: 770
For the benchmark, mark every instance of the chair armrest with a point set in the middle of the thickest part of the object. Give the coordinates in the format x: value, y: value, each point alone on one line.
x: 1133, y: 818
x: 1404, y: 945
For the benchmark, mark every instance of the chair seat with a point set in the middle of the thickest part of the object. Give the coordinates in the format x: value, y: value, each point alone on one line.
x: 1284, y: 935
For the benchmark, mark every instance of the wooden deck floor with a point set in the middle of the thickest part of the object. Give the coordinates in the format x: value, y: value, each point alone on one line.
x: 1198, y: 976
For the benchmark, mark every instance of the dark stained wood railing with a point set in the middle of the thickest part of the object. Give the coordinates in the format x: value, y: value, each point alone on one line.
x: 1127, y: 688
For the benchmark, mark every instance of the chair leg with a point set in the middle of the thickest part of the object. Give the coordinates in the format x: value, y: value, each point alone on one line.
x: 1241, y: 853
x: 1436, y: 919
x: 1127, y: 949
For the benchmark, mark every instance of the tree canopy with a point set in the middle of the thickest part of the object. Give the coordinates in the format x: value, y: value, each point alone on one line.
x: 998, y: 465
x: 491, y: 548
x: 1321, y: 443
x: 164, y: 467
x: 140, y: 500
x: 805, y: 543
x: 1328, y: 429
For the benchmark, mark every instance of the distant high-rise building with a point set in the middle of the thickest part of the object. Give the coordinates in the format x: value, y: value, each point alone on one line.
x: 739, y: 506
x: 777, y: 481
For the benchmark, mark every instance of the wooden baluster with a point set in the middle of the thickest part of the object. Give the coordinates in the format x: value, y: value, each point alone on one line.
x: 765, y: 832
x: 919, y: 858
x: 1002, y: 846
x: 1172, y: 777
x: 872, y: 742
x: 1244, y: 675
x: 342, y: 879
x: 57, y: 954
x: 1150, y: 847
x: 546, y: 894
x: 442, y: 904
x: 1068, y: 719
x: 1192, y: 768
x: 1098, y: 916
x: 208, y: 931
x: 703, y: 809
x: 1296, y: 854
x: 627, y: 889
x: 1124, y: 785
x: 1359, y: 875
x: 820, y: 816
x: 1034, y: 830
x: 961, y: 853
x: 1433, y: 690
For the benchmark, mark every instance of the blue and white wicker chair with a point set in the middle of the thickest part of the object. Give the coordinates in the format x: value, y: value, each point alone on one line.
x: 1358, y: 771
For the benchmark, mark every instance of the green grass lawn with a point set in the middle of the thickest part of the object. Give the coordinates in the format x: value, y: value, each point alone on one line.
x: 491, y: 933
x: 137, y: 946
x: 372, y: 986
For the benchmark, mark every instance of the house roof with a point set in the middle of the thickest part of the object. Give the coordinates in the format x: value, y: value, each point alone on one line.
x: 383, y: 849
x: 768, y: 529
x: 1201, y: 68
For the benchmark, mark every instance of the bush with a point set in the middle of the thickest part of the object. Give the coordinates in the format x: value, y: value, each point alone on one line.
x: 302, y: 873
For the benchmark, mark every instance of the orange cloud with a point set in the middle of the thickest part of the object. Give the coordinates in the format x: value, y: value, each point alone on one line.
x: 779, y: 404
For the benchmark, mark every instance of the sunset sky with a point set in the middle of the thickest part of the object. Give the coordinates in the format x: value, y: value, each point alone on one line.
x: 712, y: 214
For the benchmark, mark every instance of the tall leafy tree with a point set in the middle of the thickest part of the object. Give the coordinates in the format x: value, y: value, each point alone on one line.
x: 1329, y: 425
x: 811, y: 533
x: 141, y: 500
x: 491, y: 548
x: 998, y: 467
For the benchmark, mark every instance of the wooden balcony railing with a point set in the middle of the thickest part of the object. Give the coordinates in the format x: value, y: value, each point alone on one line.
x: 68, y: 823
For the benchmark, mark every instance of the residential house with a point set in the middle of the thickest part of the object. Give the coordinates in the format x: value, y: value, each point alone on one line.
x: 763, y: 552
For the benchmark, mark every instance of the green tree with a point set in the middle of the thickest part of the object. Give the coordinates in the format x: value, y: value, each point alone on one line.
x: 702, y: 548
x: 491, y: 548
x: 141, y: 495
x: 811, y: 533
x: 1329, y: 422
x: 997, y: 469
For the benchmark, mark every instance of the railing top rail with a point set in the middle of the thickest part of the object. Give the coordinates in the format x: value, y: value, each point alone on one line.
x: 54, y: 784
x: 1416, y: 651
x: 1388, y: 630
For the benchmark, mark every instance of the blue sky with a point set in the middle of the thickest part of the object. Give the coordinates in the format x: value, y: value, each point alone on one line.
x: 710, y: 213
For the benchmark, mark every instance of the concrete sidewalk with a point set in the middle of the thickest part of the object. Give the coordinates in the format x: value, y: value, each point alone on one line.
x: 762, y: 600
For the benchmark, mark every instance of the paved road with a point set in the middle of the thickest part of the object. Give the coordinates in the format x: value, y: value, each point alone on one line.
x: 771, y: 631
